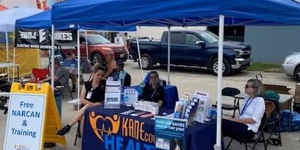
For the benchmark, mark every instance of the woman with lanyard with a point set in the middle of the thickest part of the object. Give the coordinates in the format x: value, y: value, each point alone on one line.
x: 92, y: 94
x: 154, y: 92
x: 250, y: 117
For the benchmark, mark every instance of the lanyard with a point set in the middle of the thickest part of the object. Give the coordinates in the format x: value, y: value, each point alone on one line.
x: 153, y: 93
x: 246, y: 106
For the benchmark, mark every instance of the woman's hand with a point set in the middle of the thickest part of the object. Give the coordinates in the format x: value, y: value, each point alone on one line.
x: 227, y: 117
x: 97, y: 104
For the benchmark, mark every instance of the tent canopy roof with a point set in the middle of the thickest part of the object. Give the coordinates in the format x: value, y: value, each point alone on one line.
x: 177, y: 12
x: 9, y: 16
x: 43, y: 20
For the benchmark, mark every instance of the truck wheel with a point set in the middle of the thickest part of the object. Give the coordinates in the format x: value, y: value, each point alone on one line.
x: 226, y: 69
x: 146, y: 61
x: 97, y: 58
x: 297, y: 73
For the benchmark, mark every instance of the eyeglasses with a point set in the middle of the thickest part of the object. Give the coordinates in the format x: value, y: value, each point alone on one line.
x: 248, y: 86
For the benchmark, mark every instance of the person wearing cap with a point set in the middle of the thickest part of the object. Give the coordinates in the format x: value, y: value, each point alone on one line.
x: 61, y: 75
x: 121, y: 75
x: 68, y: 62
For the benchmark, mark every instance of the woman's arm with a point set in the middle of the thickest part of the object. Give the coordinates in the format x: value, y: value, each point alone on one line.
x: 258, y: 112
x: 110, y: 69
x: 244, y: 121
x: 82, y: 97
x: 161, y: 96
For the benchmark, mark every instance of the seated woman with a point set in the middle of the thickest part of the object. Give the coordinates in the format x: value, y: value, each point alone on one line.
x: 92, y: 94
x: 154, y: 92
x: 251, y: 114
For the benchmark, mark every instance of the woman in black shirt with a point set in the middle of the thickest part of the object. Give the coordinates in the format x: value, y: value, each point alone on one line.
x: 92, y: 94
x: 154, y: 92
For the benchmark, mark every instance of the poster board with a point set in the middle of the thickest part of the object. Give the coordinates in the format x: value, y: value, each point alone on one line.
x: 170, y: 133
x: 31, y: 112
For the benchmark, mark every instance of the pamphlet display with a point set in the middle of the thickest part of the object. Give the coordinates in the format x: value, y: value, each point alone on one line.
x: 130, y: 96
x: 112, y: 94
x: 201, y: 114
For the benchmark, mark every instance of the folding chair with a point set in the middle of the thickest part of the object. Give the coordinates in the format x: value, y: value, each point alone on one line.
x: 273, y: 123
x: 231, y: 92
x: 68, y: 87
x: 258, y: 138
x: 78, y: 134
x: 39, y: 74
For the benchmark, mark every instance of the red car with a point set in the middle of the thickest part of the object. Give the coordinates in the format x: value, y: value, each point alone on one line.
x: 98, y: 47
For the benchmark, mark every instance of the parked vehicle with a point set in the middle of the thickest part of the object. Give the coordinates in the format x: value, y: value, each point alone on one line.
x: 192, y: 48
x: 98, y: 47
x: 291, y: 66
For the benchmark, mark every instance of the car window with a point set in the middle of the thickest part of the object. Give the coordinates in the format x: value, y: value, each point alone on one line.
x: 97, y: 39
x: 176, y: 38
x: 191, y: 39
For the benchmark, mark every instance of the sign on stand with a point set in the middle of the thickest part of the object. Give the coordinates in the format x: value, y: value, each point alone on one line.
x: 31, y: 111
x: 170, y: 133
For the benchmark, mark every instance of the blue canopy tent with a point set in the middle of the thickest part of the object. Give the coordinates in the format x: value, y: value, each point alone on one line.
x: 43, y: 21
x: 180, y: 13
x: 177, y: 12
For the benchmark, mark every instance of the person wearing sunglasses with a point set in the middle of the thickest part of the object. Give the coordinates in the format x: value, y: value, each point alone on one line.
x: 154, y: 92
x: 68, y: 62
x: 247, y: 124
x: 92, y: 94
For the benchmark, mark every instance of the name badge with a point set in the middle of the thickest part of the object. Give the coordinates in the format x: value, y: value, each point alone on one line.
x: 89, y: 95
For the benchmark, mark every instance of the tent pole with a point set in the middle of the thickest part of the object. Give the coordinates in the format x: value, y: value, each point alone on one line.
x: 52, y: 56
x: 7, y: 55
x: 139, y: 51
x: 86, y: 45
x: 78, y: 67
x: 14, y: 62
x: 169, y: 53
x: 219, y: 99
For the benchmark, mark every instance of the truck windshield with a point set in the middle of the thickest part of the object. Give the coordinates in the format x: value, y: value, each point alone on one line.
x: 210, y: 37
x: 97, y: 39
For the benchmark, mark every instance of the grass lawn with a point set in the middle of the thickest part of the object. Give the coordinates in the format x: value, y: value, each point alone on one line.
x: 266, y: 67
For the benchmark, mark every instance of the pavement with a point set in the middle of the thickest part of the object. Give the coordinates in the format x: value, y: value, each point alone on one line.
x: 186, y: 80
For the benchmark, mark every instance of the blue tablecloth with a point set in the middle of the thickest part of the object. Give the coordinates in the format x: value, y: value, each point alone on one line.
x: 171, y: 95
x: 107, y: 129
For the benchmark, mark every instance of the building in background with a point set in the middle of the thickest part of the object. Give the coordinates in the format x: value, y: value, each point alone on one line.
x: 13, y: 3
x: 156, y: 32
x: 272, y: 44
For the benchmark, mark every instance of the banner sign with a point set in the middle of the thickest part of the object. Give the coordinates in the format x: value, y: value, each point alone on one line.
x: 170, y: 133
x: 41, y: 38
x: 24, y: 130
x: 112, y: 131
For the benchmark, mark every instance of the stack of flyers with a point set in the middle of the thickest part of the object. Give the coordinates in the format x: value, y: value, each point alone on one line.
x: 191, y: 108
x: 179, y: 109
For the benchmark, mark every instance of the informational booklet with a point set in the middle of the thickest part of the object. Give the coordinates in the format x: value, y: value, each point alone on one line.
x: 201, y: 114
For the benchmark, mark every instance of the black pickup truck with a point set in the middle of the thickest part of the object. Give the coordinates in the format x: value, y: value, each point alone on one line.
x: 192, y: 48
